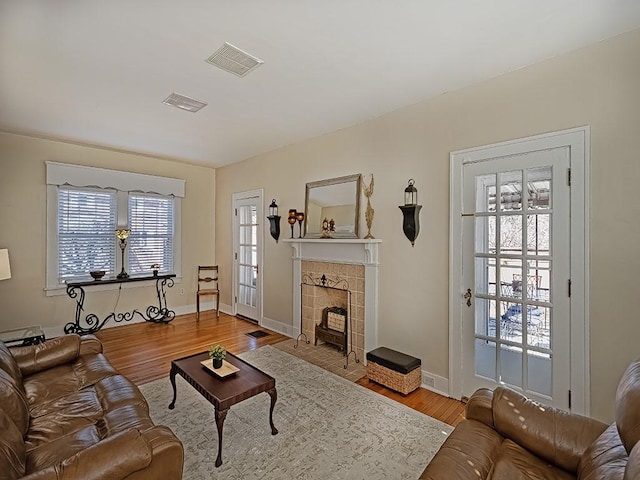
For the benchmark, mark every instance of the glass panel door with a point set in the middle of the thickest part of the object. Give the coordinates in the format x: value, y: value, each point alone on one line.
x: 247, y: 258
x: 517, y: 269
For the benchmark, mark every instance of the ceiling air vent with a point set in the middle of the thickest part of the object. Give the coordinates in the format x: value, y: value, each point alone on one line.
x: 234, y: 60
x: 184, y: 103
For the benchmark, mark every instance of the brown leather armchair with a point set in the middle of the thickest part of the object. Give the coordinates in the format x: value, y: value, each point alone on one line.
x: 66, y: 413
x: 506, y: 436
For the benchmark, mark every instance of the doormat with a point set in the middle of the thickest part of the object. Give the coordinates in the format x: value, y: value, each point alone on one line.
x: 258, y: 334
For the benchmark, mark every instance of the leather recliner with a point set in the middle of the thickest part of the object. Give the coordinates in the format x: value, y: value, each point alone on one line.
x: 66, y: 413
x: 509, y: 437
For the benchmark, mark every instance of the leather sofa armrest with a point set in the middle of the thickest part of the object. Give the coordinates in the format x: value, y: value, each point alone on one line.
x: 115, y: 458
x: 557, y: 436
x: 480, y: 407
x: 90, y: 344
x: 167, y: 455
x: 57, y: 351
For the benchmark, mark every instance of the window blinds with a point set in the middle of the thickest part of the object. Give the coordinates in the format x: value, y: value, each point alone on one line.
x: 86, y: 222
x: 151, y: 240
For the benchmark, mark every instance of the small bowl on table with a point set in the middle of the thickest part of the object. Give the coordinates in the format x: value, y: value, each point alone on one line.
x: 97, y: 274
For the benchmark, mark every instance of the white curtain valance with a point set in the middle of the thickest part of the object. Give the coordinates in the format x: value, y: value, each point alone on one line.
x: 81, y: 176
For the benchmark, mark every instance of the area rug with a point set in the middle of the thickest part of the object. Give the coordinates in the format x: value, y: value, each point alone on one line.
x: 329, y: 428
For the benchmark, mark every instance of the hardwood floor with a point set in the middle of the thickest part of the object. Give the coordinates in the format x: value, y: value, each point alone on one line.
x: 143, y: 352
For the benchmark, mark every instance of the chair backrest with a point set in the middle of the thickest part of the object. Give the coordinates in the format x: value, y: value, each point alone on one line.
x: 208, y: 274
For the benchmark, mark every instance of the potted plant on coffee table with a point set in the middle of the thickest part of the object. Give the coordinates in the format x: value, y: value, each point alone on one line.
x: 217, y: 354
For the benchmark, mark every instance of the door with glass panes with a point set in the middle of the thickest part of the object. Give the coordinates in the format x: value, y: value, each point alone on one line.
x: 247, y: 257
x: 516, y: 266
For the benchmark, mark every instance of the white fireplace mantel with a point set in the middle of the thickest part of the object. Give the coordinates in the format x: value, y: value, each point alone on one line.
x: 356, y: 251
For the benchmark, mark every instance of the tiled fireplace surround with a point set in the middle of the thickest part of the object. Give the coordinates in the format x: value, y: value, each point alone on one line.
x: 348, y: 264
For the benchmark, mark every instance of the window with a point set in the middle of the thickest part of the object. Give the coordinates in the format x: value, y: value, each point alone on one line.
x: 151, y: 240
x: 86, y: 221
x: 85, y: 206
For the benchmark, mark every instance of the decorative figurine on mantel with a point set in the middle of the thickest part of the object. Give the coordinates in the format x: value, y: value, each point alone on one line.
x: 368, y: 191
x: 328, y: 227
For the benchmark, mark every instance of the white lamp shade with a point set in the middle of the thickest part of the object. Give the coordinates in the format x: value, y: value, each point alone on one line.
x: 5, y: 268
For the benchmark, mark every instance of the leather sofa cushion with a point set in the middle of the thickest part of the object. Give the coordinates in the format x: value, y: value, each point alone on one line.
x: 516, y: 463
x: 12, y: 450
x: 14, y: 402
x: 469, y: 452
x: 49, y: 385
x: 120, y: 456
x: 554, y: 435
x: 49, y: 354
x: 633, y: 466
x: 113, y: 404
x: 9, y: 365
x: 627, y: 411
x: 61, y: 448
x: 605, y: 457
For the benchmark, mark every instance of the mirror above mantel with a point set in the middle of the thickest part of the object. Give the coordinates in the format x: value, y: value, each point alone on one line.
x: 337, y: 199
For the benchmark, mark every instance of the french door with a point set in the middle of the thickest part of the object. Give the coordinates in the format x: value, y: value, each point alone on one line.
x: 247, y: 254
x: 514, y: 263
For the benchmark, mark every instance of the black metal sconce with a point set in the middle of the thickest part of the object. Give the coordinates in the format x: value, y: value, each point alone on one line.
x: 274, y: 220
x: 411, y: 212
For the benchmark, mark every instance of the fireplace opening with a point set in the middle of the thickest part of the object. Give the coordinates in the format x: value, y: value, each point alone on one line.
x: 333, y: 327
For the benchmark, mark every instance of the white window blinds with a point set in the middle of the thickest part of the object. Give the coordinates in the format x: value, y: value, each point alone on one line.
x: 151, y: 241
x: 86, y: 222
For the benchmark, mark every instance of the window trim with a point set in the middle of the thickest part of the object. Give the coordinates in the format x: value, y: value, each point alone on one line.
x: 124, y: 182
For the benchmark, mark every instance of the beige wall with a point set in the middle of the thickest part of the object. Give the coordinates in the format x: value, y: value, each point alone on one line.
x: 596, y: 86
x: 23, y: 227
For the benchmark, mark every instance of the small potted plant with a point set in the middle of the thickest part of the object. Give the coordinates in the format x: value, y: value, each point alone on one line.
x: 217, y: 353
x: 155, y: 268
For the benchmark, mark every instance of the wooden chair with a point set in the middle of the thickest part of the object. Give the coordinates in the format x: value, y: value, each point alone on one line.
x: 208, y: 278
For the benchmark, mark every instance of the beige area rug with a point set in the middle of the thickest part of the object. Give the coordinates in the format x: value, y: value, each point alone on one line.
x: 329, y: 428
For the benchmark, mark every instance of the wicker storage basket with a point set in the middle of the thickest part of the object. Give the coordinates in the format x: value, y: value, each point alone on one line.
x: 403, y: 383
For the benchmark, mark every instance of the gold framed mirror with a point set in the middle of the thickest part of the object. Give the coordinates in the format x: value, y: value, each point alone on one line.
x: 337, y: 199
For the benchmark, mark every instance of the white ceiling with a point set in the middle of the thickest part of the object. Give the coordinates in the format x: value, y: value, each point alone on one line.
x: 97, y: 71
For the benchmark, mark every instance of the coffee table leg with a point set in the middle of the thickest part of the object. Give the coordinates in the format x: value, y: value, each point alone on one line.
x: 172, y: 377
x: 220, y: 416
x: 274, y: 397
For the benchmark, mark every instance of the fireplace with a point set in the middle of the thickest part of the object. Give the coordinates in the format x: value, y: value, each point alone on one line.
x: 351, y: 267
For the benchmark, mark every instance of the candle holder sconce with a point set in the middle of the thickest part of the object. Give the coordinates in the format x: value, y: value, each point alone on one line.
x: 411, y: 212
x: 274, y: 220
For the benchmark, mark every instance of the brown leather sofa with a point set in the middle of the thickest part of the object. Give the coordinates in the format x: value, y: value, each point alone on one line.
x: 506, y: 436
x: 66, y: 413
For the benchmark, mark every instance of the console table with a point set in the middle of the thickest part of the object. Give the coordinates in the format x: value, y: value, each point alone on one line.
x: 155, y: 314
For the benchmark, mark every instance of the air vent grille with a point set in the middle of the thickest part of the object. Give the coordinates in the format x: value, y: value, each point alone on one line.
x: 233, y: 60
x: 184, y: 103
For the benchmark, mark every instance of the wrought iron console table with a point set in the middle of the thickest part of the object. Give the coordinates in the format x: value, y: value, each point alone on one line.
x: 159, y: 314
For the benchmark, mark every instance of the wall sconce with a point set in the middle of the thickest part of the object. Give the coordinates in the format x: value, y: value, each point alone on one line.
x: 292, y: 219
x: 411, y: 212
x: 274, y: 220
x: 122, y: 234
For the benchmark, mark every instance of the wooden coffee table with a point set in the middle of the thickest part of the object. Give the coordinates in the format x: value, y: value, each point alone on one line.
x: 223, y: 392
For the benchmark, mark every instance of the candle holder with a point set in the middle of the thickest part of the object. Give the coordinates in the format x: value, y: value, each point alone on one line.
x: 300, y: 218
x: 292, y: 219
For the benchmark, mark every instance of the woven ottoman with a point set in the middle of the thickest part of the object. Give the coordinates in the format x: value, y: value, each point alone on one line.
x: 394, y: 370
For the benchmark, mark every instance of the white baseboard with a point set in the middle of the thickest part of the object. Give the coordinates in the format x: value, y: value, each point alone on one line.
x: 279, y: 327
x: 435, y: 383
